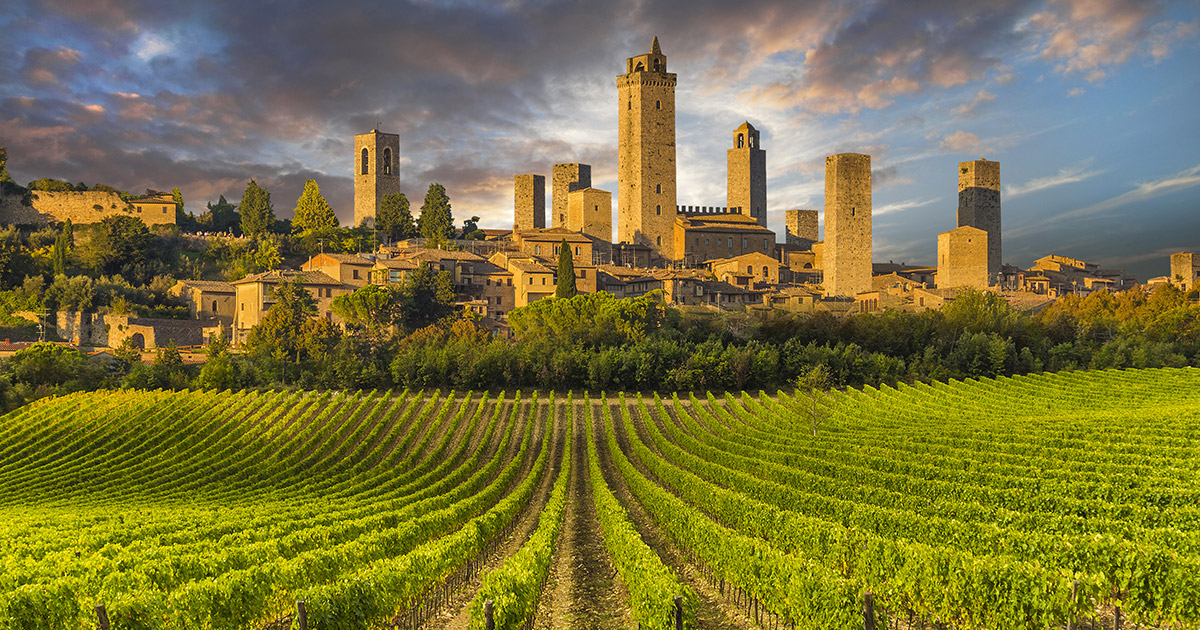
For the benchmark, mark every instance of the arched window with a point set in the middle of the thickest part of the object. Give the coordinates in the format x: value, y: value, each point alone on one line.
x: 214, y: 308
x: 387, y: 161
x: 658, y: 240
x: 658, y: 209
x: 658, y: 188
x: 657, y: 65
x: 365, y: 162
x: 657, y: 104
x: 741, y: 140
x: 630, y: 105
x: 751, y: 142
x: 766, y: 272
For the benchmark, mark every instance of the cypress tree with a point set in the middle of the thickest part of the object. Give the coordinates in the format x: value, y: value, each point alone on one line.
x: 258, y: 215
x: 566, y: 273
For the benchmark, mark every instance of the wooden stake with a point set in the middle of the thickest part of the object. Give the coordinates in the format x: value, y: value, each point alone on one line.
x: 301, y: 614
x: 868, y: 611
x: 488, y: 621
x: 102, y: 616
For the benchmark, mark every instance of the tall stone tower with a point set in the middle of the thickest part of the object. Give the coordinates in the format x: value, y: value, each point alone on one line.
x: 646, y: 153
x: 962, y: 258
x: 567, y: 178
x: 846, y: 257
x: 529, y: 202
x: 979, y: 205
x: 801, y: 228
x: 376, y: 159
x: 590, y: 211
x: 746, y: 188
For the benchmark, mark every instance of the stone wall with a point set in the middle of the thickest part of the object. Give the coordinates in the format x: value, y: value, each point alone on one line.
x: 979, y: 204
x: 81, y: 208
x: 529, y: 202
x: 567, y: 178
x: 746, y: 174
x: 963, y: 258
x: 801, y: 228
x: 846, y: 259
x: 1185, y: 270
x: 111, y: 330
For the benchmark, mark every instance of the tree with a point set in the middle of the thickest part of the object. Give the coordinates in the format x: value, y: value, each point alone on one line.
x: 395, y: 218
x: 118, y: 242
x: 471, y: 231
x: 185, y: 220
x: 222, y: 217
x: 373, y: 307
x: 812, y: 382
x: 15, y: 261
x: 566, y: 273
x: 4, y: 178
x: 436, y: 222
x: 51, y: 185
x: 428, y: 297
x: 314, y: 218
x: 258, y: 215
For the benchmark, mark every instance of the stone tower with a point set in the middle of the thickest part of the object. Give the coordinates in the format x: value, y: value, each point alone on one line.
x: 590, y: 211
x: 376, y: 160
x: 846, y: 256
x: 567, y: 178
x: 646, y: 153
x: 979, y: 205
x: 746, y: 187
x: 529, y: 202
x: 962, y: 258
x: 801, y: 228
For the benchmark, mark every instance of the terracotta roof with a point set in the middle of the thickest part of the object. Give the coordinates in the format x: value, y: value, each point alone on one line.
x: 444, y: 254
x: 210, y: 286
x: 287, y: 275
x: 396, y: 263
x: 350, y: 259
x: 490, y: 269
x: 529, y: 266
x: 553, y: 234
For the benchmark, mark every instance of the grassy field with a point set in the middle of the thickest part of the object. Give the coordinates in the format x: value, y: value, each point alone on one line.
x: 1030, y: 502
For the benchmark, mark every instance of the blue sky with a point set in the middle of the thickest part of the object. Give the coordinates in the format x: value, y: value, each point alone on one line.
x: 1088, y: 104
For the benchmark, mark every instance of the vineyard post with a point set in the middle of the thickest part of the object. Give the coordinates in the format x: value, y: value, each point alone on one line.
x: 301, y: 615
x: 678, y: 612
x: 868, y: 611
x: 488, y: 620
x: 102, y: 616
x: 1074, y: 602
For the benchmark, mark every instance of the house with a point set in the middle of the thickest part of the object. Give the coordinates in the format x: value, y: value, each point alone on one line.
x: 207, y: 299
x: 255, y: 296
x: 346, y: 268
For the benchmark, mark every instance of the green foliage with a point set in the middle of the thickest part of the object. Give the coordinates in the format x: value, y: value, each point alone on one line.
x: 395, y: 218
x: 471, y: 231
x: 566, y: 273
x: 428, y: 297
x: 64, y: 245
x: 436, y: 223
x: 15, y: 259
x: 591, y: 319
x: 373, y: 308
x: 224, y: 217
x: 314, y: 218
x: 118, y: 243
x: 4, y: 177
x: 52, y: 185
x: 257, y: 213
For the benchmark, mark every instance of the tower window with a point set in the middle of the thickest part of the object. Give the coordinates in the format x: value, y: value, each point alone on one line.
x: 658, y: 209
x: 630, y: 105
x: 387, y: 161
x: 741, y: 140
x: 658, y: 239
x: 657, y: 65
x: 214, y: 308
x: 657, y: 104
x: 596, y: 207
x: 658, y: 188
x: 365, y: 162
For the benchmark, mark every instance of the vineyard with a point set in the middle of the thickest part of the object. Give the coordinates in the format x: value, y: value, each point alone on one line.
x: 1067, y: 500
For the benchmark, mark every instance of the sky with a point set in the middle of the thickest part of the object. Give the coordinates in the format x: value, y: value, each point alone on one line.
x: 1088, y: 105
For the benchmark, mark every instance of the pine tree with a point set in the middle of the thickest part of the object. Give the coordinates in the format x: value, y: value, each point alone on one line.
x: 436, y: 222
x: 258, y: 216
x: 395, y: 218
x: 313, y: 214
x: 566, y: 273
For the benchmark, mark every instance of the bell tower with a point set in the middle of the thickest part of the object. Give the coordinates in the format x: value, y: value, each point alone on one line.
x: 746, y: 189
x: 646, y: 154
x: 376, y: 160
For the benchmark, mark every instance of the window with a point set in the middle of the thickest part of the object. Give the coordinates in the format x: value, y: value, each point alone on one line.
x: 164, y: 210
x: 658, y: 240
x: 365, y: 163
x: 741, y: 140
x: 139, y: 208
x: 764, y: 244
x: 658, y: 209
x: 744, y: 241
x: 576, y: 250
x: 657, y: 65
x: 499, y: 300
x: 657, y: 104
x: 356, y: 274
x: 530, y: 279
x: 658, y: 188
x: 749, y: 269
x: 387, y: 161
x: 583, y: 273
x: 214, y: 308
x: 243, y: 306
x: 730, y: 242
x: 487, y: 282
x: 543, y: 280
x: 766, y: 272
x: 630, y: 105
x: 510, y: 282
x: 537, y: 250
x: 705, y: 242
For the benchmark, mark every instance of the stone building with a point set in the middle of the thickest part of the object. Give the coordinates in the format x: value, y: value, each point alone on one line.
x: 846, y: 257
x: 529, y: 202
x: 759, y: 267
x: 1185, y: 270
x: 962, y: 258
x: 801, y: 228
x: 979, y: 205
x: 206, y: 299
x: 255, y: 294
x: 110, y: 330
x: 567, y: 179
x: 746, y: 175
x: 348, y: 268
x: 646, y: 154
x: 532, y: 281
x: 699, y: 238
x: 376, y: 160
x: 589, y: 211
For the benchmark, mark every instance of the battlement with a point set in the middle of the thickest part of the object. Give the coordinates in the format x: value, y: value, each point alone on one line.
x: 699, y: 210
